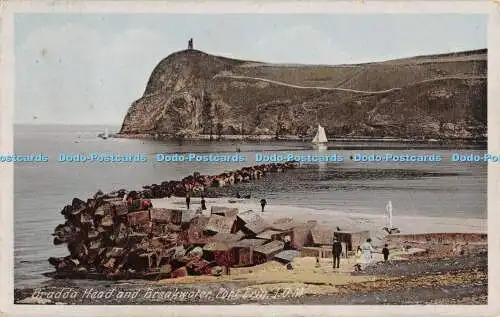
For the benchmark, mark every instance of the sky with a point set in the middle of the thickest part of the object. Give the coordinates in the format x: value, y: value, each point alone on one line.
x: 89, y: 68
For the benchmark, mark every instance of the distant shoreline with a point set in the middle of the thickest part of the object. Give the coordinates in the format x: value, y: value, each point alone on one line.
x: 266, y: 137
x: 263, y: 137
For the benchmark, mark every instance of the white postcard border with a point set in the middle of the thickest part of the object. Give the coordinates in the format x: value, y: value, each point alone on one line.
x: 363, y: 7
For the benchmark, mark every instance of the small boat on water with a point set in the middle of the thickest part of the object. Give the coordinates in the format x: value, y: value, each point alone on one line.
x: 104, y: 135
x: 320, y: 141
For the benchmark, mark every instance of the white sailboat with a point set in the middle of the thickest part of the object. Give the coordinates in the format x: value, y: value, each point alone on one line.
x: 104, y: 135
x: 320, y: 141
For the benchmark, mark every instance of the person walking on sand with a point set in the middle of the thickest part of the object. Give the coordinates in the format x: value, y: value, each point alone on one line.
x: 263, y: 203
x: 367, y: 252
x: 188, y: 200
x: 336, y: 252
x: 385, y: 252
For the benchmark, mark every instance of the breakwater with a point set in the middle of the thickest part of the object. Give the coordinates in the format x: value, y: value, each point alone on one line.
x: 109, y: 237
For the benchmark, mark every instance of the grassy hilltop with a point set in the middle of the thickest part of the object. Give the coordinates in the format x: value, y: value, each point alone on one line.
x: 437, y: 96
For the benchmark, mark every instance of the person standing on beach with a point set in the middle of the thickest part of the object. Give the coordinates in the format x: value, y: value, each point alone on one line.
x: 385, y: 252
x: 367, y: 252
x: 336, y: 252
x: 188, y: 200
x: 263, y: 203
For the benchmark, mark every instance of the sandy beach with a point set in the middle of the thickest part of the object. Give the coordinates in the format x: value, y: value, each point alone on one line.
x: 423, y: 272
x: 347, y: 221
x: 411, y: 279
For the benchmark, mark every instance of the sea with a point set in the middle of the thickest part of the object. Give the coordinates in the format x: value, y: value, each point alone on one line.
x: 439, y: 189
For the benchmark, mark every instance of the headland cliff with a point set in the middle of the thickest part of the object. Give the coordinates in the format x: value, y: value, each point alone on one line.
x: 193, y: 94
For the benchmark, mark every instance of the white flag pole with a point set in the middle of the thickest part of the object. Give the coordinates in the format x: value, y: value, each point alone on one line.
x: 389, y: 214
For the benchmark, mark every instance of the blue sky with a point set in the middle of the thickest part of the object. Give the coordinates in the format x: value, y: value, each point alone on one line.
x: 89, y: 68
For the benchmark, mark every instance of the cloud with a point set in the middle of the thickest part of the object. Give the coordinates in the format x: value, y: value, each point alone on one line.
x: 75, y: 74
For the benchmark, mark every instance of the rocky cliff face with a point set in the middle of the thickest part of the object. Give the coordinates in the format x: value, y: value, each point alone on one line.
x: 192, y: 93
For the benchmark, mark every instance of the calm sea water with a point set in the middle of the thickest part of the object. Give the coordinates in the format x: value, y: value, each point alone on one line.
x: 42, y: 189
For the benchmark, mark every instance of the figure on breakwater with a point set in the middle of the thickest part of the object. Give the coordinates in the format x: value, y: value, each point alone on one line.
x: 263, y: 203
x: 188, y: 200
x: 190, y: 44
x: 202, y: 202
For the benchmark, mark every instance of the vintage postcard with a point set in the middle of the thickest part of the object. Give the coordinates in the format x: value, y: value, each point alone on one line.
x: 251, y: 158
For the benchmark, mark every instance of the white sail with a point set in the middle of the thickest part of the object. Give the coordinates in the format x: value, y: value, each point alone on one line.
x: 388, y: 208
x: 320, y: 136
x: 106, y: 133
